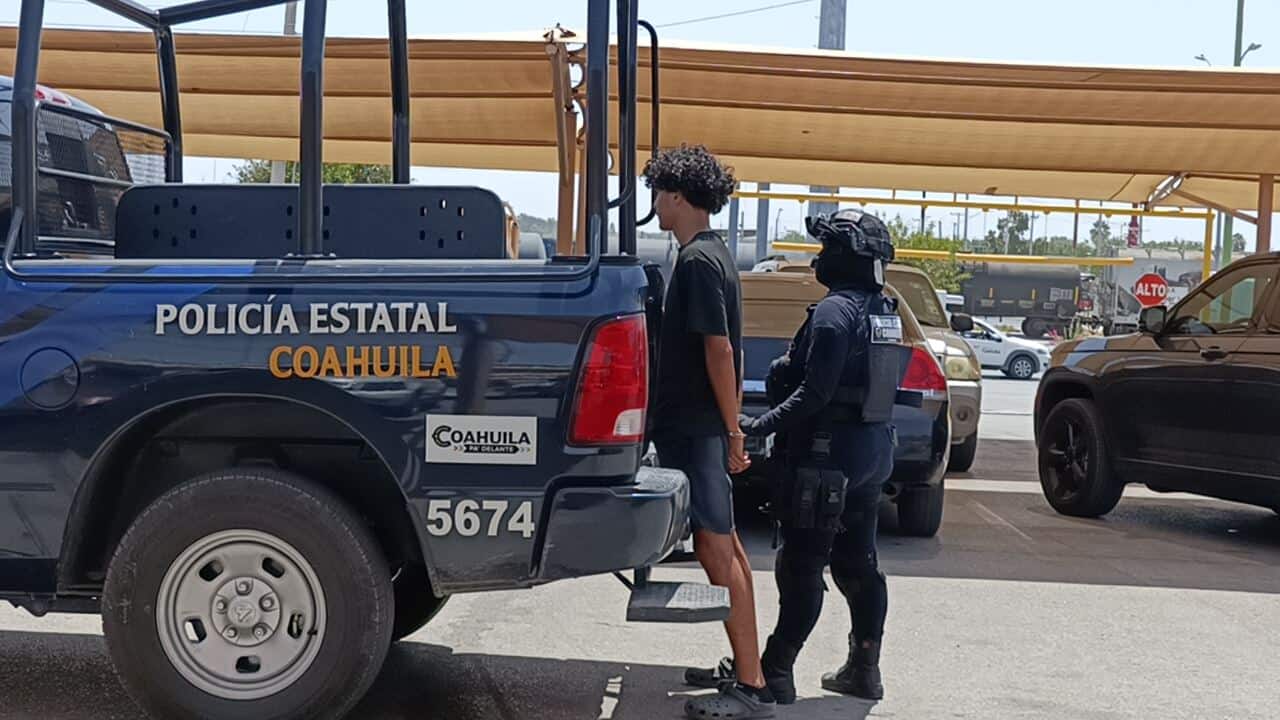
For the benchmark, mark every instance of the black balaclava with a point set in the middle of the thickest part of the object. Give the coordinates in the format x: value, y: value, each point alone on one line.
x: 839, y: 269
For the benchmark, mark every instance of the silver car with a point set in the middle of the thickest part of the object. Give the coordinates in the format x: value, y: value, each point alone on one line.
x: 958, y: 360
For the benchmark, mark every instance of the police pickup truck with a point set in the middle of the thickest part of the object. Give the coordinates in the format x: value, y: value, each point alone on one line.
x: 266, y: 430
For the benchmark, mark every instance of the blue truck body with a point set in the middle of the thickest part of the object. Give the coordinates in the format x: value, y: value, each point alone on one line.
x: 85, y: 372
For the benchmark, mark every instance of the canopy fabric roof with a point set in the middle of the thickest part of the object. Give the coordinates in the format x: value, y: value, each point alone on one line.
x: 811, y: 117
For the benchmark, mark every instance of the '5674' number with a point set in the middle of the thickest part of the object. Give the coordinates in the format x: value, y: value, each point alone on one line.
x: 469, y: 518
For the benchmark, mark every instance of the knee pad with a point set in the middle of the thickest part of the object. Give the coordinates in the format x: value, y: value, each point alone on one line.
x: 851, y: 574
x: 799, y: 567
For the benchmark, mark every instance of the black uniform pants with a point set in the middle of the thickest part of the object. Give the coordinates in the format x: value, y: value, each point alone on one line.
x: 865, y: 454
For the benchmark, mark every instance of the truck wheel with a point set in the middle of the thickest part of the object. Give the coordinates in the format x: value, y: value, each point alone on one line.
x: 1034, y: 328
x: 920, y: 510
x: 247, y: 593
x: 962, y: 455
x: 1021, y: 367
x: 1074, y: 469
x: 416, y: 604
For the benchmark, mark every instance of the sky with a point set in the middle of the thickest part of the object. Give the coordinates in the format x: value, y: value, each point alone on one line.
x: 1153, y: 33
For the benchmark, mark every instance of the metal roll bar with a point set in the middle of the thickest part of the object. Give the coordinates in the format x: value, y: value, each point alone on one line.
x: 311, y: 190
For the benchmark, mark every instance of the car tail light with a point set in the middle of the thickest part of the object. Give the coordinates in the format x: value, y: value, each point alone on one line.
x: 613, y: 387
x: 923, y: 373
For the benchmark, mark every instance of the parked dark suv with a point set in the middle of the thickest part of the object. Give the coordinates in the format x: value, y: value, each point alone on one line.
x: 1189, y: 403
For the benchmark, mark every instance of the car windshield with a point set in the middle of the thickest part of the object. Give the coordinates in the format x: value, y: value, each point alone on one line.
x: 919, y: 295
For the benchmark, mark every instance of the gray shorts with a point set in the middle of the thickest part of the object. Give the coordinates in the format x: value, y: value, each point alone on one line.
x: 705, y: 460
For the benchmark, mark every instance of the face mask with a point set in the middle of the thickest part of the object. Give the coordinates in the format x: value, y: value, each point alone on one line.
x: 825, y: 270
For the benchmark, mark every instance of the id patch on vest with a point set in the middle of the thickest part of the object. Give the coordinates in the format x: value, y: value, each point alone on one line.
x: 886, y: 329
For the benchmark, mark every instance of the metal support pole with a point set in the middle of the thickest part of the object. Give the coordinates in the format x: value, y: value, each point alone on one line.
x: 26, y: 69
x: 290, y: 29
x: 734, y: 230
x: 167, y: 59
x: 311, y: 142
x: 762, y: 224
x: 1228, y: 227
x: 1217, y: 245
x: 597, y: 147
x: 831, y: 33
x: 1266, y: 206
x: 400, y: 127
x: 1075, y: 231
x: 1239, y: 54
x: 1206, y: 266
x: 627, y: 61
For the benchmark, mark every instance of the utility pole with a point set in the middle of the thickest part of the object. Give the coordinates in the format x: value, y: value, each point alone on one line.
x: 734, y: 231
x: 290, y: 28
x: 831, y: 32
x: 924, y: 195
x: 1236, y: 58
x: 762, y: 224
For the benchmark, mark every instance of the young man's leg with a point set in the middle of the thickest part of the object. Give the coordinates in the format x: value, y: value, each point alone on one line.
x: 719, y: 554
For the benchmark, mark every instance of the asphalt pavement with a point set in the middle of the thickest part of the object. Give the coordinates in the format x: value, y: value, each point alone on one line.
x: 1163, y: 609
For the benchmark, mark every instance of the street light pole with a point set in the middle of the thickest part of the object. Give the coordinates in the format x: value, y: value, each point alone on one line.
x: 290, y: 28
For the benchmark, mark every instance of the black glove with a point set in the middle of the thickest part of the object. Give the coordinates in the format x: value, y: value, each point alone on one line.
x: 749, y: 425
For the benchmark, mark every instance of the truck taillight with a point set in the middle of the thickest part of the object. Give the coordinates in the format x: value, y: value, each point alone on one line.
x: 613, y: 387
x: 923, y: 373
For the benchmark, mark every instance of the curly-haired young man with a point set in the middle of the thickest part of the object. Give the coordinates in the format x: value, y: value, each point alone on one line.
x: 698, y: 396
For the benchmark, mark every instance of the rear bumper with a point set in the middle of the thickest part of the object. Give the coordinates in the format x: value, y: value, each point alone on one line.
x: 593, y: 530
x: 924, y: 436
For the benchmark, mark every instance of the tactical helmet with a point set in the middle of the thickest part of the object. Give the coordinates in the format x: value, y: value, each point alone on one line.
x: 858, y: 232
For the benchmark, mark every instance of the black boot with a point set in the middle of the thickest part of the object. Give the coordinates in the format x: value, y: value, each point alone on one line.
x: 779, y: 657
x: 860, y: 675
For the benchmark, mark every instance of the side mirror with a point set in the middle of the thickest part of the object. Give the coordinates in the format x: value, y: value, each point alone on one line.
x: 1153, y: 319
x: 961, y: 322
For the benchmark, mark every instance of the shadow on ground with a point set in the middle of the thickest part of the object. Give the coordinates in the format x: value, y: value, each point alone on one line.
x: 419, y: 681
x: 1015, y: 535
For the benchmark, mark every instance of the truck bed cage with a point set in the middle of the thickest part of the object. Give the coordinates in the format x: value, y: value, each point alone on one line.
x: 309, y: 239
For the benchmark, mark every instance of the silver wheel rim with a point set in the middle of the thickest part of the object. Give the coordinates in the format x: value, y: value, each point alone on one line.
x: 1022, y: 368
x: 240, y: 614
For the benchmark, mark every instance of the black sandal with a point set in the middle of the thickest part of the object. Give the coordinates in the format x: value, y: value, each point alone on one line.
x: 731, y: 703
x: 711, y: 677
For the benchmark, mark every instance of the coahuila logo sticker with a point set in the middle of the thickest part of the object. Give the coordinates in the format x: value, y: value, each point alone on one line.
x: 482, y: 439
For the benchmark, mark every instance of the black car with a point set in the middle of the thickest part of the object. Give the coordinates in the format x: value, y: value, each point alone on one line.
x: 1189, y: 403
x: 774, y: 306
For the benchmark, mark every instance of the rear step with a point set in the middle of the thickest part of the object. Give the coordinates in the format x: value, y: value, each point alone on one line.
x: 674, y: 602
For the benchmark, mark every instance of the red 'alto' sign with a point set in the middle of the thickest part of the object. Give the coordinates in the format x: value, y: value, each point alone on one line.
x: 1151, y: 290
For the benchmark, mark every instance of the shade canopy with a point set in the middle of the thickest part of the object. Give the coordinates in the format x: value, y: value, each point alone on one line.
x: 811, y: 117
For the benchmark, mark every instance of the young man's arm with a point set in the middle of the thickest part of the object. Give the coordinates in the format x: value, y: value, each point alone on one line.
x: 703, y: 281
x: 728, y: 392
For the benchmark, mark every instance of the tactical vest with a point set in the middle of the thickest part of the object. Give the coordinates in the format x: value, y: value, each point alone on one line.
x: 871, y: 400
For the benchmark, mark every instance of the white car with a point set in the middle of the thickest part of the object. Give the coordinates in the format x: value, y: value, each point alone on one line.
x: 1016, y: 357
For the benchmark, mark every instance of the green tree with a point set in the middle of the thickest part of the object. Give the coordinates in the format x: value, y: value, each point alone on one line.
x: 1237, y: 242
x: 1100, y: 236
x: 546, y: 227
x: 946, y: 274
x: 259, y: 171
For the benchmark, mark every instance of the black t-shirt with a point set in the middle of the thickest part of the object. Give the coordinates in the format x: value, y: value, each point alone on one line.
x: 704, y: 297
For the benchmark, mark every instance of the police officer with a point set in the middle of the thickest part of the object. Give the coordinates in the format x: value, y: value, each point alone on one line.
x: 832, y: 396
